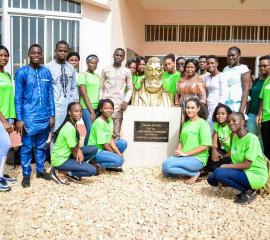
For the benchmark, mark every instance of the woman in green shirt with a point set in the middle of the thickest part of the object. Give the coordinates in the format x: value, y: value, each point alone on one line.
x: 7, y: 115
x: 191, y: 154
x: 248, y: 170
x: 67, y: 155
x: 89, y: 85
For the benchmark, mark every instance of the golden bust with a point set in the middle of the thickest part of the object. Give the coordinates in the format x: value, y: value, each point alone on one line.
x: 152, y: 94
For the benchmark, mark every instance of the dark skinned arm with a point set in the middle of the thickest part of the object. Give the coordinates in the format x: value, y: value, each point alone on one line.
x: 86, y: 99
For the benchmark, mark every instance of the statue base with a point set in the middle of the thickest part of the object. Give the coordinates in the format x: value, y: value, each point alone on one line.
x: 152, y: 134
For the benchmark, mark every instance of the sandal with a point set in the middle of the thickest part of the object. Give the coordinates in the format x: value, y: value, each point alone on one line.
x: 74, y: 178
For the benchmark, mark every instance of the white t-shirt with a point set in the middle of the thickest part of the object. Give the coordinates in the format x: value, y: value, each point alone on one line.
x: 233, y: 77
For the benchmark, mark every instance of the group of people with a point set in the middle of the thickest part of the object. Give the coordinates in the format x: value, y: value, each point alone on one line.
x: 214, y: 136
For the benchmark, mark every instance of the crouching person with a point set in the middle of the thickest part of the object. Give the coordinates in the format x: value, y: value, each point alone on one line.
x: 110, y: 151
x: 248, y: 170
x: 67, y: 156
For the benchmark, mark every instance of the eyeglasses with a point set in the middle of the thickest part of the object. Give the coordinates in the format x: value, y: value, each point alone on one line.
x: 263, y: 66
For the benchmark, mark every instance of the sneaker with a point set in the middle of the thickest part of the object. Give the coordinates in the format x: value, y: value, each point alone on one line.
x: 4, y: 185
x: 245, y: 198
x: 9, y: 179
x: 26, y: 182
x: 119, y: 169
x: 44, y: 175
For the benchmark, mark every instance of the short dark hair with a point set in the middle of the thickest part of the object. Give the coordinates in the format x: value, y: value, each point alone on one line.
x: 212, y: 56
x: 2, y: 47
x: 120, y: 49
x: 91, y: 56
x: 266, y: 57
x: 34, y: 45
x: 180, y: 58
x: 72, y: 54
x: 194, y: 61
x: 234, y: 48
x: 220, y: 105
x: 170, y: 56
x: 202, y: 56
x: 61, y: 42
x: 139, y: 59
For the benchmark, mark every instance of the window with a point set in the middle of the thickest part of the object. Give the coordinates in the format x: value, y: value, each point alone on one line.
x: 44, y: 31
x: 191, y: 33
x: 1, y: 3
x: 244, y: 34
x: 69, y: 6
x: 217, y: 34
x: 161, y: 33
x: 264, y: 34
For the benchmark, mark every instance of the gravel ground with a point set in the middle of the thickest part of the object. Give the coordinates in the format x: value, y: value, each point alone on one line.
x: 136, y: 204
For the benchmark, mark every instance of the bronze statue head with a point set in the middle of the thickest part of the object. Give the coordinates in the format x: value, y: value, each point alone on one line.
x: 153, y: 74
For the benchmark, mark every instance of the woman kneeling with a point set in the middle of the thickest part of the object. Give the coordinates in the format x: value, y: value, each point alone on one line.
x: 192, y: 152
x: 248, y: 170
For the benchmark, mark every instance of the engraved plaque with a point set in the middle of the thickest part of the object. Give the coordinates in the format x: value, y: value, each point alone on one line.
x: 151, y: 131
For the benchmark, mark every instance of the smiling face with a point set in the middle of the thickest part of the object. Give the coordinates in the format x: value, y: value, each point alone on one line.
x: 141, y: 67
x: 4, y: 57
x: 190, y: 69
x: 222, y: 115
x: 132, y: 68
x: 236, y: 123
x: 212, y: 65
x: 264, y: 67
x: 180, y: 65
x: 233, y: 57
x: 92, y: 65
x: 169, y: 65
x: 192, y: 109
x: 106, y: 110
x: 75, y: 112
x: 153, y: 74
x: 35, y: 55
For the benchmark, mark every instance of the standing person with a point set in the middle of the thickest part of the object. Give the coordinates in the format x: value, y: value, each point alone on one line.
x: 115, y: 80
x: 110, y: 150
x: 239, y: 80
x: 35, y: 112
x: 89, y: 84
x: 191, y: 154
x: 66, y: 140
x: 263, y: 118
x: 216, y: 87
x: 180, y: 65
x: 74, y: 59
x: 64, y: 82
x: 191, y: 86
x: 7, y: 115
x: 141, y: 65
x: 132, y: 66
x: 203, y: 73
x: 170, y: 77
x: 248, y: 170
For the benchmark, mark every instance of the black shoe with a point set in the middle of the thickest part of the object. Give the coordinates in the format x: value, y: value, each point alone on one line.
x: 119, y: 169
x: 26, y: 182
x: 55, y: 177
x: 44, y: 175
x: 245, y: 198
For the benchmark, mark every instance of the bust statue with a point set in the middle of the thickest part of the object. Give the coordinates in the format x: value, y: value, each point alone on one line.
x: 152, y: 94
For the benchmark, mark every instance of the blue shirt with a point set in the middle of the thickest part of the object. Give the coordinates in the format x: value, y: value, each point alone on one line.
x: 34, y: 100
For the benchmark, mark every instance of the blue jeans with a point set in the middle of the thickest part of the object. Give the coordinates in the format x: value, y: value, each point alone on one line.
x: 38, y: 141
x: 83, y: 169
x: 5, y: 145
x: 86, y: 116
x: 234, y: 178
x: 187, y: 166
x: 108, y: 159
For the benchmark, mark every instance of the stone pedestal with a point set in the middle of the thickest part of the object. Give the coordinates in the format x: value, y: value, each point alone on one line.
x: 152, y: 134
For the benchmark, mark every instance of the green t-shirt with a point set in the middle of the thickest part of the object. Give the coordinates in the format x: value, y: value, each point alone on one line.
x: 170, y: 80
x: 101, y: 133
x: 7, y: 106
x: 92, y: 84
x: 194, y: 134
x: 224, y: 136
x: 249, y: 148
x: 265, y: 96
x: 65, y: 141
x: 254, y: 102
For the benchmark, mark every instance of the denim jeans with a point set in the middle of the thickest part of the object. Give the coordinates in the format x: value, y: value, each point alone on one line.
x: 187, y: 166
x: 86, y: 116
x: 108, y: 159
x: 5, y: 145
x: 38, y: 141
x: 234, y: 178
x: 83, y: 169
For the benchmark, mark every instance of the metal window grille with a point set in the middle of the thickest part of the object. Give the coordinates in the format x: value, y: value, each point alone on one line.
x: 191, y: 33
x: 217, y: 34
x: 161, y: 33
x: 264, y: 34
x: 244, y: 34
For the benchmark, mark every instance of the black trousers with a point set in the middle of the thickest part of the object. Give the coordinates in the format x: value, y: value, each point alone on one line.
x: 265, y: 130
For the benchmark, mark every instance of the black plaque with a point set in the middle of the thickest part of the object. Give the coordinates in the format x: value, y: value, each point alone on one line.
x: 151, y: 131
